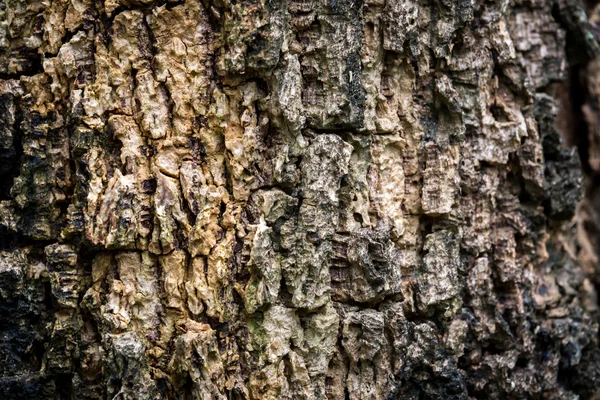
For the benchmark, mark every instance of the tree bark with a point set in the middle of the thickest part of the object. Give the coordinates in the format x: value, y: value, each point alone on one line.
x: 302, y: 199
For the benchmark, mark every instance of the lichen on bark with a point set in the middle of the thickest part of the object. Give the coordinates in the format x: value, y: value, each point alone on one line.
x: 300, y: 199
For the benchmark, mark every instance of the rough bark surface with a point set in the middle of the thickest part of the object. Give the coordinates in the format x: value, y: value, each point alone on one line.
x: 269, y: 199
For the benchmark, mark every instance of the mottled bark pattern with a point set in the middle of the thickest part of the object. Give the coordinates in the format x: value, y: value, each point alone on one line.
x: 301, y: 199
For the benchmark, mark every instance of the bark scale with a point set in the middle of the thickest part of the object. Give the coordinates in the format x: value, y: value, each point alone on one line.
x: 291, y: 200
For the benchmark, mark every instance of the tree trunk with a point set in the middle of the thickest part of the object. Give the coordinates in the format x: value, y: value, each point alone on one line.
x: 302, y: 199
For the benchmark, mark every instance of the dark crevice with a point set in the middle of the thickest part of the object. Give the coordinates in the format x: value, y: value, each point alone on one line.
x: 34, y: 66
x: 572, y: 124
x: 10, y: 158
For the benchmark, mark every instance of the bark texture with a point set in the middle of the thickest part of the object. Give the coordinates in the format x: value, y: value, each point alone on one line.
x: 270, y: 199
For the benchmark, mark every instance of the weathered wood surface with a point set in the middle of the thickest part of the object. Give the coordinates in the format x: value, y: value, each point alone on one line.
x: 327, y: 199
